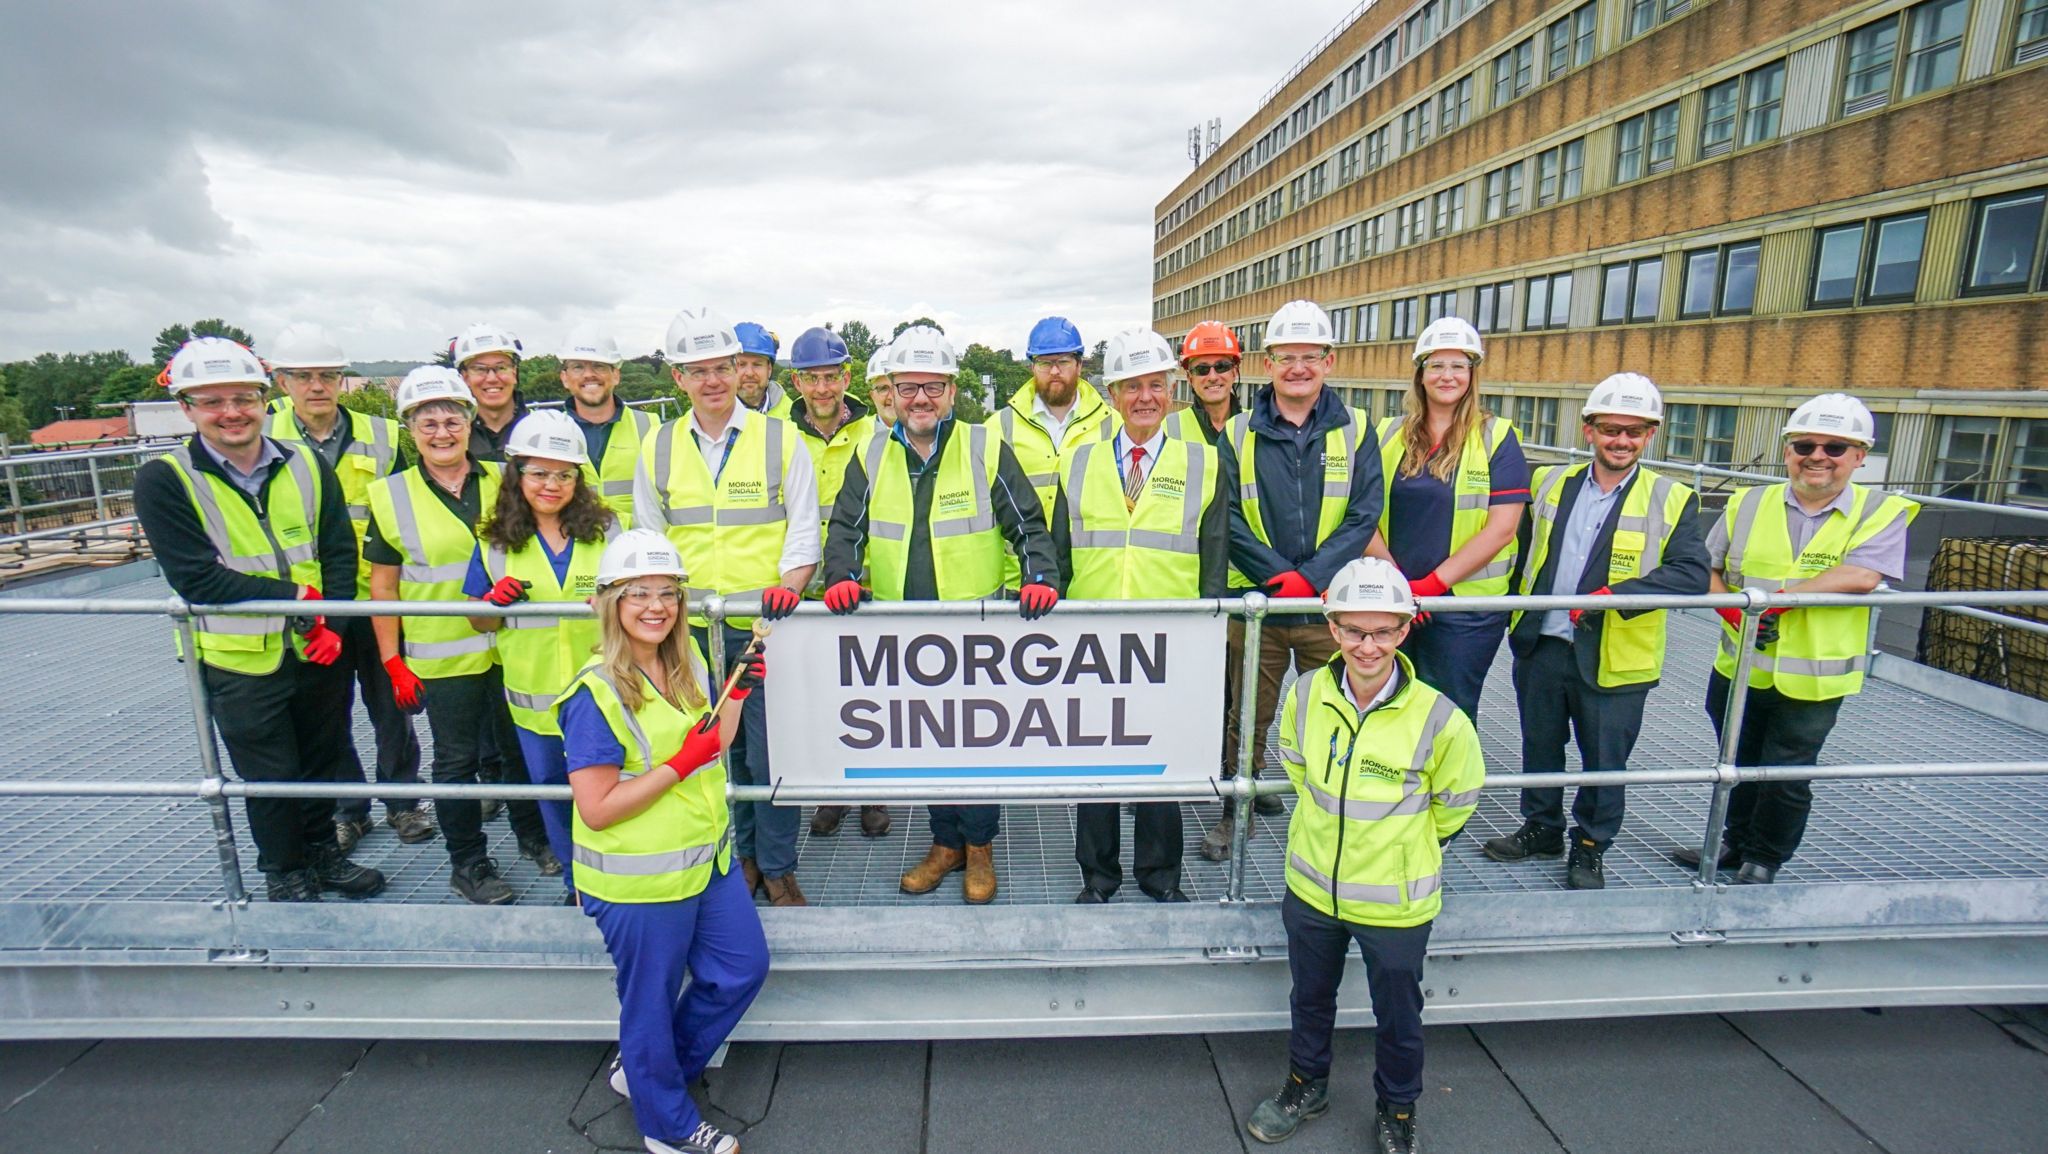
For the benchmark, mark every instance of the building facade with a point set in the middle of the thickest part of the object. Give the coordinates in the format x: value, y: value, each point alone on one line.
x: 1751, y: 201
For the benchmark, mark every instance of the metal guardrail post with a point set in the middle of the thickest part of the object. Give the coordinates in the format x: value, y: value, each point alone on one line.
x: 14, y: 495
x: 99, y: 496
x: 1247, y: 714
x: 209, y: 759
x: 1731, y: 739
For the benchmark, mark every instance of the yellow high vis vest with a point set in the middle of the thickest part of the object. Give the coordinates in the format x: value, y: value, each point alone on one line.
x: 1091, y: 419
x: 1374, y: 795
x: 372, y: 452
x: 542, y: 654
x: 1632, y: 649
x: 967, y: 547
x: 437, y: 546
x: 1471, y: 498
x: 613, y: 475
x: 283, y: 543
x: 666, y: 852
x: 729, y: 534
x: 1821, y: 653
x: 1151, y: 549
x: 1340, y: 449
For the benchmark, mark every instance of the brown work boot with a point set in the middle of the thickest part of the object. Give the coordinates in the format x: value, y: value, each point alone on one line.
x: 925, y: 876
x: 784, y: 891
x: 825, y: 822
x: 752, y: 873
x: 874, y: 821
x: 980, y: 887
x: 1216, y: 843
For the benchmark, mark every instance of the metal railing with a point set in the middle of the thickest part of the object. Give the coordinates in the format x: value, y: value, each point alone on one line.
x: 215, y: 790
x: 74, y: 489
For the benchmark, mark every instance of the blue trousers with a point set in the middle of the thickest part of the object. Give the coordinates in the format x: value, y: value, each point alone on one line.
x: 1453, y: 653
x: 548, y: 764
x: 767, y: 833
x: 960, y: 826
x: 667, y: 1033
x: 1316, y: 948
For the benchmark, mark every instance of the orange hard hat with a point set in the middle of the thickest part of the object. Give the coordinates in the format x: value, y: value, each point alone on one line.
x: 1210, y: 338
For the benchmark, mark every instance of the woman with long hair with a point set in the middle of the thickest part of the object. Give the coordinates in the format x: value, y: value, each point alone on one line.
x: 1456, y: 485
x: 653, y: 839
x: 542, y: 543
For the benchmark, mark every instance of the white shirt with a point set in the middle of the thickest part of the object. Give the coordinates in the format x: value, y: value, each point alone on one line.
x: 1056, y: 426
x: 1387, y: 688
x: 800, y: 545
x: 1151, y: 447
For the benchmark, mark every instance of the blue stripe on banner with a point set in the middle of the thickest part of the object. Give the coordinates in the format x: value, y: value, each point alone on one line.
x: 923, y: 771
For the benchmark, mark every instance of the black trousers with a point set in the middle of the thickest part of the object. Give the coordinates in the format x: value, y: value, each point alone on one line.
x: 459, y: 712
x: 1316, y: 948
x: 398, y: 746
x: 1767, y: 819
x: 1155, y: 826
x: 288, y: 725
x: 1556, y: 703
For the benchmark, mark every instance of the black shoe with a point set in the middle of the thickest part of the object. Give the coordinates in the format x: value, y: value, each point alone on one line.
x: 292, y: 886
x: 1275, y: 1119
x: 413, y: 826
x: 1394, y: 1129
x: 1532, y: 840
x: 1584, y: 871
x: 1172, y: 895
x: 1268, y: 805
x: 542, y: 855
x: 1756, y: 873
x: 338, y: 875
x: 1090, y: 896
x: 478, y: 881
x: 1688, y: 856
x: 350, y: 830
x: 825, y: 820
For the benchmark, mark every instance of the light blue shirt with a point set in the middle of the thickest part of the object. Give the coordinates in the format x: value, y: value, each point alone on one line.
x: 250, y: 482
x: 1574, y: 546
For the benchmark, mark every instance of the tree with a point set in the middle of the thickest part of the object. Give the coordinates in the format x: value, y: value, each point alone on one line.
x: 73, y: 381
x: 640, y: 381
x: 130, y: 383
x: 540, y: 379
x: 367, y: 396
x: 1091, y: 365
x: 173, y: 338
x: 901, y: 325
x: 13, y: 425
x: 1006, y: 373
x: 860, y: 344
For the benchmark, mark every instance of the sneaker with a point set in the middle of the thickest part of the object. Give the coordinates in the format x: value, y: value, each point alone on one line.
x: 350, y: 830
x: 478, y: 881
x: 1530, y: 841
x: 537, y: 851
x: 705, y: 1139
x: 292, y: 886
x: 1394, y: 1129
x: 1299, y: 1099
x: 617, y: 1078
x: 413, y: 826
x: 341, y: 876
x: 1583, y: 871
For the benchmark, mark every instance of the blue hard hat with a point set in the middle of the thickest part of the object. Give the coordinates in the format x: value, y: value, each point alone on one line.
x: 757, y: 340
x: 817, y: 349
x: 1052, y: 336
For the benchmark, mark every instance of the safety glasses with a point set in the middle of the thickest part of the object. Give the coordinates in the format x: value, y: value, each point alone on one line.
x: 1216, y: 367
x: 1831, y: 448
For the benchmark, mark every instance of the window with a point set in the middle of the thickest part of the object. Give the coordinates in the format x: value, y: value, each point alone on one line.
x: 1454, y: 105
x: 1369, y: 322
x: 1719, y: 281
x: 1646, y: 143
x: 1628, y: 149
x: 1449, y: 211
x: 1409, y: 224
x: 1894, y: 272
x: 1536, y: 420
x: 1550, y: 302
x: 1404, y: 319
x: 1315, y: 256
x: 1344, y: 245
x: 1628, y: 291
x: 1867, y: 80
x: 1701, y: 433
x: 1376, y: 235
x: 2005, y: 243
x: 1560, y: 172
x: 1416, y: 126
x: 2029, y: 471
x: 1838, y: 253
x: 2030, y: 37
x: 1763, y: 97
x: 1717, y: 124
x: 1376, y: 143
x: 1582, y: 34
x: 1348, y: 167
x: 1568, y: 42
x: 1966, y: 457
x: 1514, y: 71
x: 1340, y: 325
x: 1663, y: 147
x: 1496, y: 311
x: 1934, y: 44
x: 1504, y: 188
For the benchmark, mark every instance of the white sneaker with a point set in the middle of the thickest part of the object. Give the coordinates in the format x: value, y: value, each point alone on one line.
x: 618, y: 1079
x: 705, y: 1139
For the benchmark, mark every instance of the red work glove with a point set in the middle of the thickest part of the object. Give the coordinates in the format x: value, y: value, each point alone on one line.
x: 844, y: 597
x: 507, y: 591
x: 1429, y: 585
x: 778, y: 602
x: 1035, y: 601
x: 322, y: 645
x: 700, y: 748
x: 753, y: 671
x: 1734, y: 616
x: 1290, y: 584
x: 405, y: 684
x: 1603, y: 591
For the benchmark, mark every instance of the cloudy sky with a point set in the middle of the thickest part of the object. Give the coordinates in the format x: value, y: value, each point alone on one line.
x: 397, y: 171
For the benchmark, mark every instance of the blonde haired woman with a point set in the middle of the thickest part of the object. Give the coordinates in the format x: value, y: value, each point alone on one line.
x: 653, y: 839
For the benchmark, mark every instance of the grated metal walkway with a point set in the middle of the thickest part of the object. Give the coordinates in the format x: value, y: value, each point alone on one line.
x: 101, y: 698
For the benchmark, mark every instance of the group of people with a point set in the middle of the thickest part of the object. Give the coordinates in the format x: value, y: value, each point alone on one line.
x: 768, y: 499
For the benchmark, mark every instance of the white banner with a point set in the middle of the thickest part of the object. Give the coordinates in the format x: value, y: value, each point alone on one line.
x: 1124, y: 699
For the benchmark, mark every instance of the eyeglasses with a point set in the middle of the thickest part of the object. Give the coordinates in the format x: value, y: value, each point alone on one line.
x: 1831, y: 448
x: 1442, y: 367
x: 1630, y: 431
x: 548, y: 476
x: 587, y: 368
x: 1297, y: 360
x: 452, y: 427
x: 1059, y: 362
x: 1216, y: 367
x: 817, y: 377
x: 493, y: 370
x: 636, y: 595
x: 699, y: 374
x: 934, y: 389
x: 1379, y: 637
x: 329, y: 377
x: 243, y: 402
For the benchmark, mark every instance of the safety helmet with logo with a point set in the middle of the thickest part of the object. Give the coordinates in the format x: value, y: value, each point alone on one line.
x: 1369, y: 585
x: 1210, y: 339
x: 204, y: 361
x: 921, y: 349
x: 1625, y: 395
x: 1834, y: 415
x: 818, y: 348
x: 1449, y: 333
x: 476, y: 340
x: 639, y: 553
x: 878, y: 363
x: 757, y: 340
x: 699, y: 334
x: 1300, y: 323
x: 432, y: 383
x: 1135, y: 353
x: 1053, y: 336
x: 548, y: 433
x: 590, y: 342
x: 305, y: 346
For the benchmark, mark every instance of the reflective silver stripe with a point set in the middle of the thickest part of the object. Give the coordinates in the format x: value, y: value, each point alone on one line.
x: 534, y: 701
x: 617, y: 488
x: 1358, y: 810
x: 765, y: 515
x: 664, y: 455
x: 1439, y: 716
x: 1821, y: 667
x: 689, y: 515
x: 1041, y: 480
x: 534, y: 622
x: 433, y: 574
x: 644, y: 864
x: 214, y: 521
x: 887, y: 530
x: 1548, y: 489
x: 241, y: 626
x: 1077, y: 472
x: 1420, y: 888
x: 425, y: 650
x: 1348, y: 891
x: 1660, y: 494
x: 1499, y: 568
x: 1342, y: 489
x: 633, y: 729
x: 380, y: 448
x: 415, y: 570
x: 1301, y: 698
x: 773, y: 464
x: 359, y: 512
x: 1746, y: 503
x: 302, y: 473
x: 984, y: 518
x: 1008, y: 419
x: 1466, y: 502
x: 1456, y: 800
x: 1291, y: 756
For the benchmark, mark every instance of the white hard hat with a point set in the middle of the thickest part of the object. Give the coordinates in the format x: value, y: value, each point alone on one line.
x: 1136, y: 353
x: 1450, y: 333
x: 207, y: 361
x: 699, y: 334
x: 590, y: 342
x: 1625, y: 395
x: 1834, y: 415
x: 878, y: 364
x: 548, y: 433
x: 1300, y: 323
x: 432, y: 383
x: 1369, y: 585
x: 476, y: 340
x: 639, y: 553
x: 305, y: 347
x: 921, y: 349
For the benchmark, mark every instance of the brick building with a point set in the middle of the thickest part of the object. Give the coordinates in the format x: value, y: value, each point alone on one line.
x: 1749, y: 200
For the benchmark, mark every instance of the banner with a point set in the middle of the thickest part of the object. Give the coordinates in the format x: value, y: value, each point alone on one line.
x: 1082, y: 697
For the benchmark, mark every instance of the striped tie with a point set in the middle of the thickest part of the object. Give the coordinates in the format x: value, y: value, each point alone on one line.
x: 1134, y: 477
